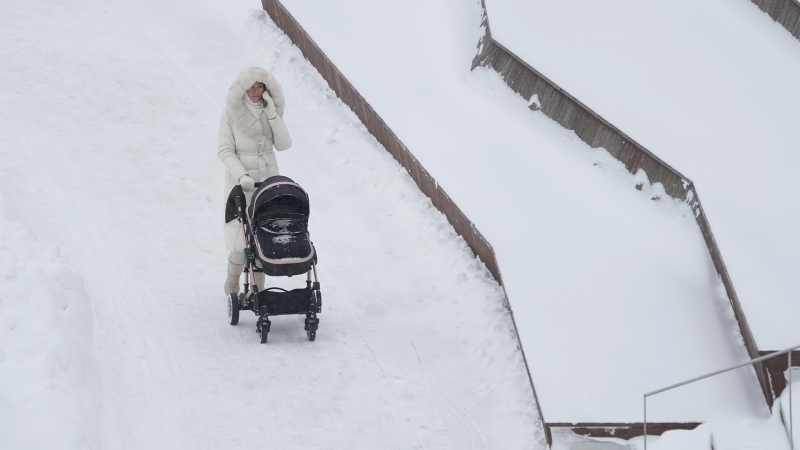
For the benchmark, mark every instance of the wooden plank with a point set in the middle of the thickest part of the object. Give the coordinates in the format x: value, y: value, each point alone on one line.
x: 621, y: 430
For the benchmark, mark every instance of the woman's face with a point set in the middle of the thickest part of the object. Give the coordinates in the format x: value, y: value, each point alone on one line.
x: 254, y: 93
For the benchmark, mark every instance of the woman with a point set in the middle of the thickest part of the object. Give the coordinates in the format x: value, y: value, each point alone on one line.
x: 250, y: 126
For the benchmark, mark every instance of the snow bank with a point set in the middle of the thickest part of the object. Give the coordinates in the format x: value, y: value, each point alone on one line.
x: 49, y: 385
x: 710, y: 87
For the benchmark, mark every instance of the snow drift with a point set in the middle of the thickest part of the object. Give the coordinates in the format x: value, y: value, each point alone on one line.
x: 49, y: 385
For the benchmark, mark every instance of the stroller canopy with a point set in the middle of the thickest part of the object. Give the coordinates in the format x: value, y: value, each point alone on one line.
x: 278, y: 191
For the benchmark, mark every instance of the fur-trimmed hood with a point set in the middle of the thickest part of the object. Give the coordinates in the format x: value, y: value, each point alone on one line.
x: 243, y: 120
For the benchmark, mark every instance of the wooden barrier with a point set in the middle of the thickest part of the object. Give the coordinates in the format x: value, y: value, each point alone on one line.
x: 785, y: 12
x: 620, y: 430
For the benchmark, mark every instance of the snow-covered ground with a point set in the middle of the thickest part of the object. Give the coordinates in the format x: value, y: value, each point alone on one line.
x: 614, y: 293
x: 712, y: 87
x: 108, y: 119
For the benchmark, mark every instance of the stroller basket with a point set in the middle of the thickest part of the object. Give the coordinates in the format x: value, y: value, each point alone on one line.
x: 277, y: 302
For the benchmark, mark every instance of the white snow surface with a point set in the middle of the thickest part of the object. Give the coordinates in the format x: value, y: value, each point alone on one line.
x: 108, y: 119
x: 48, y: 375
x: 614, y: 294
x: 712, y: 87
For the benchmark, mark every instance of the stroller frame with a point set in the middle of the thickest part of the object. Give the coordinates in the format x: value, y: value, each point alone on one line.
x: 272, y: 301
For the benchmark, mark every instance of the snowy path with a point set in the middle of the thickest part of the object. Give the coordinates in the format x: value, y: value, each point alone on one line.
x: 108, y: 118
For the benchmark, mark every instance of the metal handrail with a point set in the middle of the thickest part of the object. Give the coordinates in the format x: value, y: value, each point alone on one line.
x: 752, y: 361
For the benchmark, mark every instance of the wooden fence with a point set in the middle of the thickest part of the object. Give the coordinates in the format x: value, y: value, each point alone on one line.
x: 785, y: 12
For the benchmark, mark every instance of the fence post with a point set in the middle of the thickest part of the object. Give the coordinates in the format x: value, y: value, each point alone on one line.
x: 645, y: 421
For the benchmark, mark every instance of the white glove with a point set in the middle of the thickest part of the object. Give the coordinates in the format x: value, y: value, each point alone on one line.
x: 270, y: 108
x: 247, y: 183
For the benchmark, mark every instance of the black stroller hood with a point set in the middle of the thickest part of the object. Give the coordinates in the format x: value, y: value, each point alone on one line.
x: 271, y: 189
x: 278, y: 217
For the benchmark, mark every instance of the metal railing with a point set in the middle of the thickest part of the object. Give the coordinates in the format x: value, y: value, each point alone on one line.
x: 752, y: 361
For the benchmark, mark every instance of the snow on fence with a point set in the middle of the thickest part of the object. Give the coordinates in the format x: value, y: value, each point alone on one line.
x: 378, y: 128
x: 785, y: 12
x: 573, y: 115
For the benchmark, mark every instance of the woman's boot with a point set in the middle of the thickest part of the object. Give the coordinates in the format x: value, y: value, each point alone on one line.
x: 232, y: 282
x: 258, y: 278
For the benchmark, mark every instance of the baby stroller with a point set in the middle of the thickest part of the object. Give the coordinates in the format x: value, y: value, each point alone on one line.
x: 275, y: 230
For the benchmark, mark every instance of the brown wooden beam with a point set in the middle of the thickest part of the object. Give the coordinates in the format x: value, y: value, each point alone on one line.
x: 621, y: 430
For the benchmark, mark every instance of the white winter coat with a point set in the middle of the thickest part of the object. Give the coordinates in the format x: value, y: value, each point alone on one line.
x: 247, y: 137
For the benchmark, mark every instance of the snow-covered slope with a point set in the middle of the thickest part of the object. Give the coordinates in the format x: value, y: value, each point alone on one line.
x: 614, y: 293
x: 108, y: 119
x: 712, y: 87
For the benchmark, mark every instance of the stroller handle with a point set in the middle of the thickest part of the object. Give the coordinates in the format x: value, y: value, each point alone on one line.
x: 240, y: 200
x: 255, y: 186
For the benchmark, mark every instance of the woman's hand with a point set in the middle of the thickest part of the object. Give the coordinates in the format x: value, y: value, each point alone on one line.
x: 247, y: 183
x: 270, y: 108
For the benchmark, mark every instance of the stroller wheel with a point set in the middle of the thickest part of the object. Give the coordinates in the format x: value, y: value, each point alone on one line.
x: 263, y: 329
x: 233, y: 309
x: 312, y: 323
